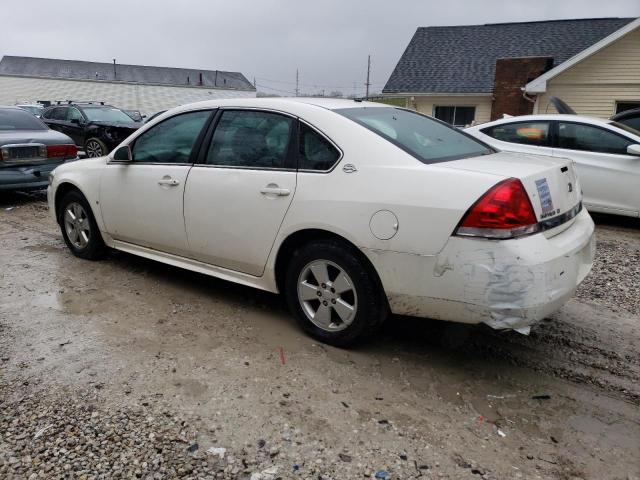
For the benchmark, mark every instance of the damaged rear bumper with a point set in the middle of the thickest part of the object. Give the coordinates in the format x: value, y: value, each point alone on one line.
x: 507, y: 284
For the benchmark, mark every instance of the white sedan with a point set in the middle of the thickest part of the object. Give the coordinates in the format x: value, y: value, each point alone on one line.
x: 606, y: 154
x: 350, y: 209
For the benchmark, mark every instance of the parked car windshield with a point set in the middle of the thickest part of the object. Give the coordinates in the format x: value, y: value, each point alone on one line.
x: 16, y: 119
x: 429, y: 140
x: 626, y: 127
x: 106, y: 114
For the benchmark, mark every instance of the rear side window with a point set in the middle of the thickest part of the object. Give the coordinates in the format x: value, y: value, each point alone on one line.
x: 170, y: 141
x: 17, y: 119
x: 526, y: 133
x: 576, y: 136
x: 316, y: 152
x: 429, y: 140
x: 250, y: 139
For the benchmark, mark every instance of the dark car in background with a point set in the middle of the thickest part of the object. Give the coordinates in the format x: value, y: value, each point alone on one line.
x: 94, y: 127
x: 630, y: 118
x: 29, y: 150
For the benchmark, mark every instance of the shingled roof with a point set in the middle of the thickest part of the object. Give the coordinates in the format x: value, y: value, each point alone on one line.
x: 138, y: 74
x: 462, y: 59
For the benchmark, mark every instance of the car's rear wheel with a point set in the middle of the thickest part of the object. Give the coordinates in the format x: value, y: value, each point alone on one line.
x: 332, y: 294
x: 95, y: 148
x: 79, y: 228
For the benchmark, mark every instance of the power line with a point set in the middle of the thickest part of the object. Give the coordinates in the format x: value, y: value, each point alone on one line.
x: 312, y: 85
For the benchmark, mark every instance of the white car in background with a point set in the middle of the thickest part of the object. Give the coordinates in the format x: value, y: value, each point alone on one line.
x: 606, y: 154
x: 350, y: 209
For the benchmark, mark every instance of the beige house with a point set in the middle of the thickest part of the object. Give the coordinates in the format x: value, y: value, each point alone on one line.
x: 473, y: 74
x: 600, y: 81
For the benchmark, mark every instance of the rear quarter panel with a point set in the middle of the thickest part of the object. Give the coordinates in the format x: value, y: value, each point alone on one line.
x: 427, y: 200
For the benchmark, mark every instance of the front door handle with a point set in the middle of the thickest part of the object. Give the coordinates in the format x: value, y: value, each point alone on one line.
x: 168, y: 182
x: 273, y: 189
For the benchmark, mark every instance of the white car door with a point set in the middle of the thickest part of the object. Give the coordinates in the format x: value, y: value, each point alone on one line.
x: 141, y: 200
x: 609, y: 176
x: 238, y: 194
x: 523, y: 137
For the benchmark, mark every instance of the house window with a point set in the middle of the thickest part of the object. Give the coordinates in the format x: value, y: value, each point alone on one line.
x: 455, y: 115
x: 624, y: 106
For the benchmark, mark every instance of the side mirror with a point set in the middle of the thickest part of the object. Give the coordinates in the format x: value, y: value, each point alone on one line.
x: 123, y: 154
x: 75, y: 120
x: 634, y: 149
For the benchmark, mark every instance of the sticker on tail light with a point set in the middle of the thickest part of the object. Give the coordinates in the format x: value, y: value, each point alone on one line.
x: 546, y: 202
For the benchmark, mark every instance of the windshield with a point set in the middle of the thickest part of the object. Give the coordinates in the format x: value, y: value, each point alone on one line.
x: 429, y: 140
x: 16, y: 119
x: 106, y: 114
x: 625, y: 127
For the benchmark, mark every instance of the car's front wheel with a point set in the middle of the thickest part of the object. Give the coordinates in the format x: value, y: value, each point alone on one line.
x: 332, y: 294
x: 95, y: 148
x: 79, y: 228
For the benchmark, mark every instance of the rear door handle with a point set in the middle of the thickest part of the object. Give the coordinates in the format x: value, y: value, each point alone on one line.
x: 272, y: 189
x: 169, y: 182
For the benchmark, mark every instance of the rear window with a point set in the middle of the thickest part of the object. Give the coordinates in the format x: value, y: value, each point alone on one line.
x: 429, y: 140
x: 17, y: 119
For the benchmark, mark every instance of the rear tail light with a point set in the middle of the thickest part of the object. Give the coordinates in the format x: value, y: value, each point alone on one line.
x: 505, y: 211
x: 62, y: 151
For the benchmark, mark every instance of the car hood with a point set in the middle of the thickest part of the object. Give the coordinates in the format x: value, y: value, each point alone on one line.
x: 129, y: 125
x: 46, y: 137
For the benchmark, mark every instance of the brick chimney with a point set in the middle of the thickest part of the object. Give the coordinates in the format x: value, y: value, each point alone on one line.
x: 511, y: 75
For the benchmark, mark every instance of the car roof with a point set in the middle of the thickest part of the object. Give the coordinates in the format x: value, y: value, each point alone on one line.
x: 285, y: 102
x: 547, y: 117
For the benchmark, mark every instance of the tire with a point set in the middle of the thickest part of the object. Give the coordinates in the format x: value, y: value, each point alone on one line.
x: 94, y: 147
x: 79, y: 228
x: 310, y: 293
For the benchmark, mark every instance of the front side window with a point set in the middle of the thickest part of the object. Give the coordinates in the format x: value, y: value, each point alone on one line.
x: 526, y: 133
x: 576, y: 136
x: 316, y: 152
x: 170, y: 141
x: 74, y: 114
x: 426, y: 139
x: 16, y: 119
x: 455, y: 115
x: 250, y: 139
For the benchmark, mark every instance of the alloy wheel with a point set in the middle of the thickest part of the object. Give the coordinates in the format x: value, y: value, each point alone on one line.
x: 76, y: 225
x: 93, y: 149
x: 327, y: 295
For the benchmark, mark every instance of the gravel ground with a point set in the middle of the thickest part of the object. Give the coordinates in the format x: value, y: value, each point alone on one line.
x: 126, y: 368
x: 615, y: 279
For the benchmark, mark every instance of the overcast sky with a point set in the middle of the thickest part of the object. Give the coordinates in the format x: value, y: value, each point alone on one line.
x: 327, y: 40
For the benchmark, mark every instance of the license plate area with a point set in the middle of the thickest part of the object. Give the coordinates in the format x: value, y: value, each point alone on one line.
x: 22, y: 153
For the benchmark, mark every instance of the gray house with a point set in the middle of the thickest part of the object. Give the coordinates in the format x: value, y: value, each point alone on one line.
x: 474, y: 73
x: 131, y: 87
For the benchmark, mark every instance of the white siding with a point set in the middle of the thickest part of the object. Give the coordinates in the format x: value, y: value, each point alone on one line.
x: 592, y: 86
x: 146, y: 98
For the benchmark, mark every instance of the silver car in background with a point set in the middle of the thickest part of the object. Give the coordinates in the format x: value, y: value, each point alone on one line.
x: 29, y: 150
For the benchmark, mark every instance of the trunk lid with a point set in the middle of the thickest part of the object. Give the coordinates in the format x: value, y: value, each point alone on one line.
x: 550, y: 182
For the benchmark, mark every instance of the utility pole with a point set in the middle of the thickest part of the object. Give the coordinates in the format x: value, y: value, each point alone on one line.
x: 297, y: 84
x: 368, y: 73
x: 115, y: 77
